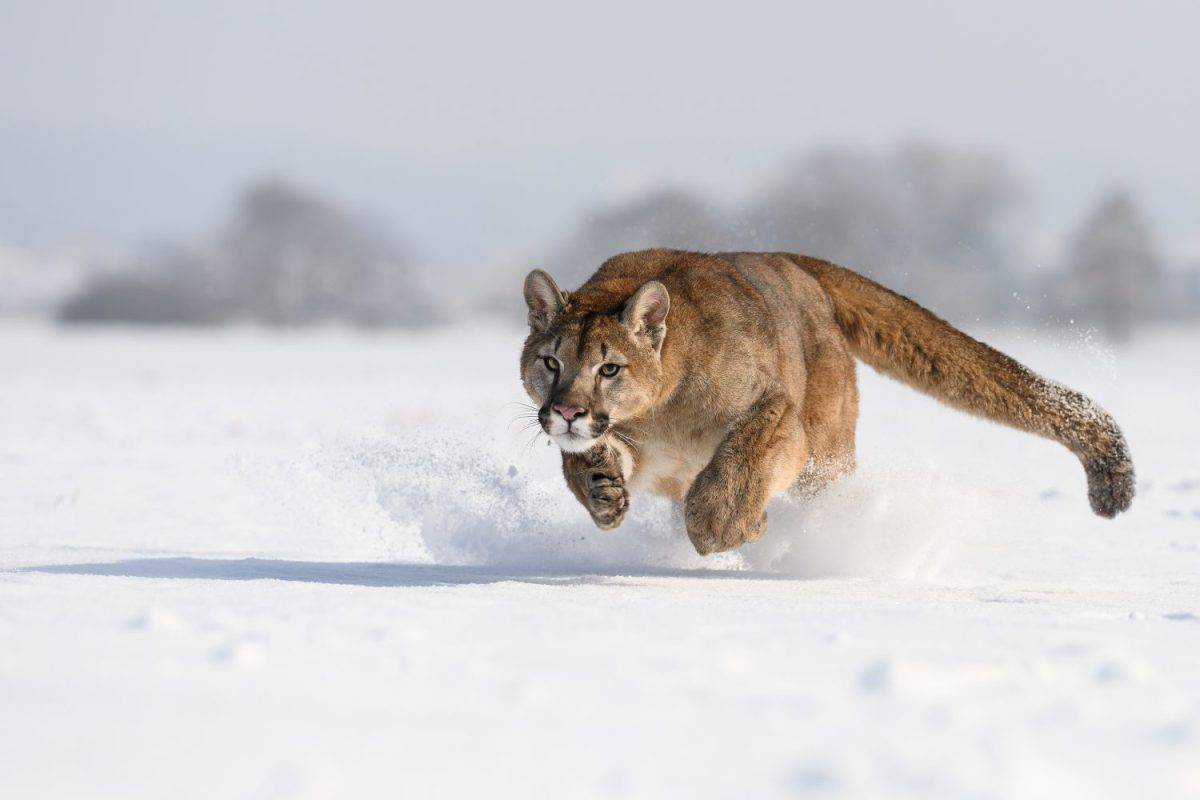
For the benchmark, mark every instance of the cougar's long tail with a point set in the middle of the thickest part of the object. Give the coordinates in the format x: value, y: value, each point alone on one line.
x: 903, y: 340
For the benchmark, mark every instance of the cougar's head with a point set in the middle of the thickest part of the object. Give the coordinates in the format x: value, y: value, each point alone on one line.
x: 587, y: 369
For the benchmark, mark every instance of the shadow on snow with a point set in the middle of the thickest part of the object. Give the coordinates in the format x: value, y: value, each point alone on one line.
x: 375, y: 573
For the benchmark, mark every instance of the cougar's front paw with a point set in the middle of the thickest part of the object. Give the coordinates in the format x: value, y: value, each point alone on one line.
x: 607, y: 499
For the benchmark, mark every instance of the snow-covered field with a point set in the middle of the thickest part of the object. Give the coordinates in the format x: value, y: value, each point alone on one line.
x: 247, y: 564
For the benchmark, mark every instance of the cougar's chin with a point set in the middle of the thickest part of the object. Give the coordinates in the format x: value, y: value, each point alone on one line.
x: 572, y: 442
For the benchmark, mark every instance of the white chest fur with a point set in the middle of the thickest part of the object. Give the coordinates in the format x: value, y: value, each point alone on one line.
x: 667, y: 465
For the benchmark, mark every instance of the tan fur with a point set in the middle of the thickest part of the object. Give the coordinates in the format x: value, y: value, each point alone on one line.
x: 737, y: 381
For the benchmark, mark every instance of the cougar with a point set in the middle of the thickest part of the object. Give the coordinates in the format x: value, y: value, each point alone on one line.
x: 722, y: 379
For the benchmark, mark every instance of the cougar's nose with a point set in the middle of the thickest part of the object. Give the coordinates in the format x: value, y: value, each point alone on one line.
x: 569, y: 412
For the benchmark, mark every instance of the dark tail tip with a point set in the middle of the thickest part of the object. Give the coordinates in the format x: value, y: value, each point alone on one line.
x: 1110, y: 484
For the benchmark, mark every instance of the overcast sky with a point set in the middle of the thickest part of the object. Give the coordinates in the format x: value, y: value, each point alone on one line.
x: 481, y: 129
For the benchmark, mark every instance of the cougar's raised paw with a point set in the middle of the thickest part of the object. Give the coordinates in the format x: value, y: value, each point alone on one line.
x: 599, y: 477
x: 607, y: 499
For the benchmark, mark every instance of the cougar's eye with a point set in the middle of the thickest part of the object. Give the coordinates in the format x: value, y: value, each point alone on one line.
x: 551, y: 363
x: 608, y: 370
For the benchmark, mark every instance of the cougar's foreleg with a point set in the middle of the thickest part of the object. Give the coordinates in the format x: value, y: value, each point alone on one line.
x: 762, y: 452
x: 597, y: 479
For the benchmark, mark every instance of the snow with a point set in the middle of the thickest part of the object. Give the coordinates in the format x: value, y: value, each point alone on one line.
x: 252, y: 564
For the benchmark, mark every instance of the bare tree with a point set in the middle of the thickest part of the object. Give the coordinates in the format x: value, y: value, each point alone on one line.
x: 1114, y: 272
x: 667, y: 217
x: 924, y: 219
x: 292, y: 258
x: 834, y: 204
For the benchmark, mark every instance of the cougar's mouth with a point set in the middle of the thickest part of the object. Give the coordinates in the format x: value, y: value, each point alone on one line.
x: 573, y: 441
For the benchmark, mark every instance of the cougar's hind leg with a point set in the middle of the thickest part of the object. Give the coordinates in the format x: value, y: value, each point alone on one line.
x: 762, y: 453
x: 831, y: 417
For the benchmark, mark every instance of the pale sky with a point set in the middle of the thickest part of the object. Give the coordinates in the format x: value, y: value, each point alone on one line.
x: 482, y: 129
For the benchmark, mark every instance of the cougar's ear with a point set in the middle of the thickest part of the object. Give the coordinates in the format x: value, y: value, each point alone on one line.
x: 645, y: 313
x: 544, y: 299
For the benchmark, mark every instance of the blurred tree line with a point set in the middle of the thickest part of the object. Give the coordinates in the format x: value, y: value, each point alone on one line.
x: 285, y: 258
x: 939, y: 224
